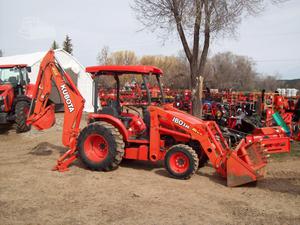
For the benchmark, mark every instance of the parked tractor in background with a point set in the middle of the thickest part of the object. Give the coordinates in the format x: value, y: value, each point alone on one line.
x: 183, y: 101
x: 134, y: 93
x: 289, y: 111
x: 245, y: 111
x: 15, y: 96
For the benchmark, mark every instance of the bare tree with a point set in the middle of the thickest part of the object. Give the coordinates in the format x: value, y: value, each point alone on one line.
x: 103, y: 56
x: 195, y: 21
x: 174, y: 68
x: 222, y: 71
x: 267, y: 82
x: 232, y: 71
x: 1, y: 53
x: 124, y: 58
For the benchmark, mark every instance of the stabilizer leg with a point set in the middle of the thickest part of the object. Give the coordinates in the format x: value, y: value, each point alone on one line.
x: 65, y: 160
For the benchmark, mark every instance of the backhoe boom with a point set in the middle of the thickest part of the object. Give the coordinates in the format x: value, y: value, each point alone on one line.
x: 42, y: 114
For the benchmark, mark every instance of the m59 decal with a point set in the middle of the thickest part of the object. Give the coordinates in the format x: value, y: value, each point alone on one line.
x: 180, y: 122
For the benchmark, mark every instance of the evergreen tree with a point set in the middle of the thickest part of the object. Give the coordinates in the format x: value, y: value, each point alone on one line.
x: 67, y: 45
x: 54, y: 45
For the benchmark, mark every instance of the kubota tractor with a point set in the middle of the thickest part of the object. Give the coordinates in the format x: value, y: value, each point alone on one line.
x: 15, y: 95
x: 143, y: 132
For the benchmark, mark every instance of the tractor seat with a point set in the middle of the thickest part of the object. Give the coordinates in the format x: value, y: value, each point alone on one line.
x: 113, y: 108
x: 109, y: 111
x: 13, y: 81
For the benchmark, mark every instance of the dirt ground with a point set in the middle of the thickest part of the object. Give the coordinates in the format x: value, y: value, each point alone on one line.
x: 136, y: 193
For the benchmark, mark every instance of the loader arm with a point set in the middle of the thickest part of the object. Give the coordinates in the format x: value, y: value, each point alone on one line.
x: 42, y: 114
x: 241, y: 165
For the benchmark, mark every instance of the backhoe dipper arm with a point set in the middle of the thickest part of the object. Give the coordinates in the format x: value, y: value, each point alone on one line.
x: 43, y: 116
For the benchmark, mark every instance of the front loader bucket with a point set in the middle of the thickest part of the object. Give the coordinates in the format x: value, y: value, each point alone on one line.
x: 245, y: 164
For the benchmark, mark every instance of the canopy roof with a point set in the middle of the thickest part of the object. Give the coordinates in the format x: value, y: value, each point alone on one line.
x: 120, y: 70
x: 13, y: 65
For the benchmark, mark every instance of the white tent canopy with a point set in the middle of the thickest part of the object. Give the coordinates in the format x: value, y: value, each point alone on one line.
x: 82, y: 79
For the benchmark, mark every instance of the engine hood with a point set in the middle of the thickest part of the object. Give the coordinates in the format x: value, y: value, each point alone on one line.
x: 182, y: 115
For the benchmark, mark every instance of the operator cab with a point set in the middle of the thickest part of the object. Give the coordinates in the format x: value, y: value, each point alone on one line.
x: 131, y: 97
x: 15, y: 75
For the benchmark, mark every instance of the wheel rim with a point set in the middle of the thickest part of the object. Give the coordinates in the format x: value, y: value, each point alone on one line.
x: 179, y: 162
x: 96, y: 148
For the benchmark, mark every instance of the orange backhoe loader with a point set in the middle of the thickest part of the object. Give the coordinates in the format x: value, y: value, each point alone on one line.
x: 155, y: 133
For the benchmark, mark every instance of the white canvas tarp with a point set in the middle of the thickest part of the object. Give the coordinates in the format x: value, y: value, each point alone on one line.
x: 82, y: 79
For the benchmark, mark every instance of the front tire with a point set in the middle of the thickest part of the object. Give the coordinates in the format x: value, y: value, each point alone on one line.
x: 100, y: 146
x: 181, y: 161
x: 21, y: 112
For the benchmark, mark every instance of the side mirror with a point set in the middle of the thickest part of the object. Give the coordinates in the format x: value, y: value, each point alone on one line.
x: 28, y: 68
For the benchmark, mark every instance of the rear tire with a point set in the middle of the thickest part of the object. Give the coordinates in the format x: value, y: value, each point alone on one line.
x: 21, y: 112
x: 181, y: 161
x: 100, y: 146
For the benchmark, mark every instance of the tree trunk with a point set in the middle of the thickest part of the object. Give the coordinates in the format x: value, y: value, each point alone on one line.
x: 195, y: 91
x: 201, y: 94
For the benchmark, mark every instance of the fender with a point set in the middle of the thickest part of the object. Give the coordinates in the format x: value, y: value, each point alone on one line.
x: 7, y: 92
x: 112, y: 120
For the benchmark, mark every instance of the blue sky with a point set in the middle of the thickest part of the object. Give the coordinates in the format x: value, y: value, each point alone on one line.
x: 270, y: 39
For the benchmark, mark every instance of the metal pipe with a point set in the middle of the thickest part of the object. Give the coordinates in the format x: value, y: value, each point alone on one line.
x: 147, y: 89
x: 161, y: 89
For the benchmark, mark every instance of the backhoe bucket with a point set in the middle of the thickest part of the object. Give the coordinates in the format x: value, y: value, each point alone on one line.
x: 43, y: 120
x: 246, y: 164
